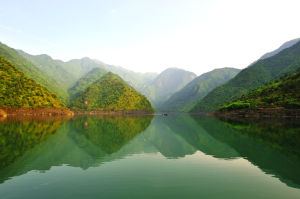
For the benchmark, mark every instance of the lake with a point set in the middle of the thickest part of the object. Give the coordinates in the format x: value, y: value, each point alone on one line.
x: 174, y: 156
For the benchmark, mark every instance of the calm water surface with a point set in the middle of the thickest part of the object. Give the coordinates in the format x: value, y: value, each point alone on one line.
x: 179, y: 156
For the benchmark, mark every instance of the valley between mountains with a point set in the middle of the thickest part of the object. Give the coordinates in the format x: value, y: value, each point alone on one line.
x: 39, y: 84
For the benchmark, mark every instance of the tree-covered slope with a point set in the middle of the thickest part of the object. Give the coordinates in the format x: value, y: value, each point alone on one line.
x: 284, y: 92
x: 86, y: 81
x: 31, y: 71
x: 258, y: 74
x: 16, y: 90
x: 189, y: 95
x: 166, y: 84
x: 111, y: 93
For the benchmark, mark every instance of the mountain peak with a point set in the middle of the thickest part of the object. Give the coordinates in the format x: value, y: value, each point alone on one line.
x: 111, y: 93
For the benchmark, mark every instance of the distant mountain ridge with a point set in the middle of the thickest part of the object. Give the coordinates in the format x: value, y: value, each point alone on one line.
x: 188, y: 96
x: 54, y: 68
x: 166, y: 84
x: 68, y: 73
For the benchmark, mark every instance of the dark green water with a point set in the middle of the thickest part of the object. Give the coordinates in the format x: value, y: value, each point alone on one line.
x: 179, y: 156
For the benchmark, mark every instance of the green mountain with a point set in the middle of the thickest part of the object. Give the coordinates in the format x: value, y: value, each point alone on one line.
x: 16, y: 90
x: 111, y: 93
x: 166, y: 84
x: 32, y: 72
x: 258, y: 74
x: 284, y: 92
x: 86, y: 81
x: 189, y: 95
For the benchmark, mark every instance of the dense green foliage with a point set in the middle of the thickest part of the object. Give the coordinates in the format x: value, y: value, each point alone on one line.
x: 111, y: 93
x: 16, y: 90
x: 258, y: 74
x: 31, y: 71
x: 166, y: 84
x: 284, y: 92
x: 189, y: 95
x: 86, y: 81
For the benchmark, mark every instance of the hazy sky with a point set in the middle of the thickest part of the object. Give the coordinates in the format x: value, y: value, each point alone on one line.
x: 151, y: 35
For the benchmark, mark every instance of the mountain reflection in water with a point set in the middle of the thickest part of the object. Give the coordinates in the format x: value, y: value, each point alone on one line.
x: 88, y: 142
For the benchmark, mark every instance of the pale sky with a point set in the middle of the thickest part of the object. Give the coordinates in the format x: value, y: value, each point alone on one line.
x: 151, y: 35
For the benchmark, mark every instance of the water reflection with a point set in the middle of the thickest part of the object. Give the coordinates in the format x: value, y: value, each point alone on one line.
x: 87, y: 142
x: 80, y: 142
x: 271, y: 145
x: 18, y: 136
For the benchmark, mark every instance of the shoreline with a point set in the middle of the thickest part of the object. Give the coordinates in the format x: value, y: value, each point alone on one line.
x: 98, y: 112
x: 277, y: 112
x: 25, y: 113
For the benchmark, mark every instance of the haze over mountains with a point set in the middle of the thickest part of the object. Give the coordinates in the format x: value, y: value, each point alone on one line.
x: 166, y: 84
x: 173, y: 89
x: 188, y: 96
x: 76, y: 68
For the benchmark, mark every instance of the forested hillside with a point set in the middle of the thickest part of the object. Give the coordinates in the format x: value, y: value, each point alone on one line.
x: 258, y: 74
x: 111, y: 93
x: 86, y: 81
x: 16, y: 90
x: 284, y: 92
